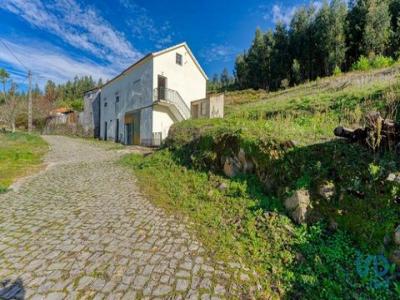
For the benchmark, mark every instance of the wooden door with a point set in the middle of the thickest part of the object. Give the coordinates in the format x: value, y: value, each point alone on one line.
x: 162, y: 85
x: 136, y: 128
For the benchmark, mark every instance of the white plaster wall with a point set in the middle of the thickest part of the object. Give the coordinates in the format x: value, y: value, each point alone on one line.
x: 186, y: 79
x: 162, y: 120
x: 135, y: 91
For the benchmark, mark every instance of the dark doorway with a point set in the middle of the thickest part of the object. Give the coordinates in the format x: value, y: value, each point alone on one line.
x: 105, y: 131
x: 162, y: 86
x: 128, y: 132
x: 117, y: 131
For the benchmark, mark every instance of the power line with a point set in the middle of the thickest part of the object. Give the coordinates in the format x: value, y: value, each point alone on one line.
x: 12, y: 53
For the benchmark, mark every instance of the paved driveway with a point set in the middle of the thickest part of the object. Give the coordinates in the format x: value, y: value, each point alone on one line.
x: 82, y: 229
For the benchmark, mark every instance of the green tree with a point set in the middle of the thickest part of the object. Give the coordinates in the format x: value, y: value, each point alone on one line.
x: 4, y: 77
x: 225, y: 78
x: 50, y: 92
x: 337, y: 35
x: 241, y: 71
x: 302, y: 41
x: 394, y: 8
x: 257, y: 61
x: 356, y: 19
x: 280, y: 56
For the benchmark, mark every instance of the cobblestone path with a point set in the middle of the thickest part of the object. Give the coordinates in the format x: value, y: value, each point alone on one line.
x: 82, y: 230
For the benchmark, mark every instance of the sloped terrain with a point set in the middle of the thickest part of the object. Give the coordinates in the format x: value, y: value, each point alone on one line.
x: 280, y: 146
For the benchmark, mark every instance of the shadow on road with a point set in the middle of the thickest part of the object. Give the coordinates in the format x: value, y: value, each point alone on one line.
x: 12, y: 290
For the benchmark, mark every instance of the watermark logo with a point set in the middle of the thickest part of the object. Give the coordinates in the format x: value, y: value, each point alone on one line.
x: 376, y: 269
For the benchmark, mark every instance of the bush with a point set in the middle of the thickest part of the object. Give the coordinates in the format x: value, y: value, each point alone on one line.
x: 362, y: 64
x: 77, y: 105
x: 381, y: 61
x: 365, y: 64
x: 337, y: 71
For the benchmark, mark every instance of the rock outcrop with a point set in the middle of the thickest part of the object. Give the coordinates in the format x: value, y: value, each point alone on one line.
x: 299, y: 205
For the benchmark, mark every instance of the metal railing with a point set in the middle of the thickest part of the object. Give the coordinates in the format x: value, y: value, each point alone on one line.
x: 172, y: 97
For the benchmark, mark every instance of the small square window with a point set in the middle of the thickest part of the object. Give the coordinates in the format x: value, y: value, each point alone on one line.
x: 179, y: 59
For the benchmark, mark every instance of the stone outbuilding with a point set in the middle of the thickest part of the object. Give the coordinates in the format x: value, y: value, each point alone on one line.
x: 210, y: 107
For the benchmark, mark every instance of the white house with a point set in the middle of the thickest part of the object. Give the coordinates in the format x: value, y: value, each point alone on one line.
x: 139, y: 105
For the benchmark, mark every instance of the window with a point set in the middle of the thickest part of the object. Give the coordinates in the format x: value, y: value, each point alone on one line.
x: 105, y: 104
x: 117, y: 99
x: 179, y: 59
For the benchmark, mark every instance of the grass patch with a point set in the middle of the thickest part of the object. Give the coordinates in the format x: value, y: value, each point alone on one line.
x: 247, y: 222
x: 20, y: 153
x: 242, y: 223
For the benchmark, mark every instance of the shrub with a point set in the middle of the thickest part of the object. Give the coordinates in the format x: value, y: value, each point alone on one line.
x: 77, y: 105
x: 381, y: 61
x: 337, y: 71
x: 362, y: 64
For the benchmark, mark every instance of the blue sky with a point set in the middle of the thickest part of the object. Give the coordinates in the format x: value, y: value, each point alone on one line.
x: 58, y: 39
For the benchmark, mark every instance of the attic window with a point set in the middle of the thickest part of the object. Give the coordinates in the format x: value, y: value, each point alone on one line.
x: 179, y: 59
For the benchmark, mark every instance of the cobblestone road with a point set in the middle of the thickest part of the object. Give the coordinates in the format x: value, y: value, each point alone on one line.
x: 82, y: 229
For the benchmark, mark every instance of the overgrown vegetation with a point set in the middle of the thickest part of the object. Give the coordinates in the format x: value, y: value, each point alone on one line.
x: 243, y: 218
x: 20, y: 153
x: 70, y: 94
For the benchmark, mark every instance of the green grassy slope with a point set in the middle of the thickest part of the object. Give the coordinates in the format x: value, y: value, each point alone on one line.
x: 246, y: 220
x: 20, y: 153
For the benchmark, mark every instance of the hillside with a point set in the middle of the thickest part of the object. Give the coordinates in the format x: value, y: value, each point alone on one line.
x: 276, y: 146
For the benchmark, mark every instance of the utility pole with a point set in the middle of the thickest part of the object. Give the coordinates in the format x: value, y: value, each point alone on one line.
x: 30, y: 102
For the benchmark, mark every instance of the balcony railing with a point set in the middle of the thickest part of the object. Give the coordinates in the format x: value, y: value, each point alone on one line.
x: 172, y: 97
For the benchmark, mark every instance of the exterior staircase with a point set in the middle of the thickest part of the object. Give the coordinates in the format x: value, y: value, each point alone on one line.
x: 174, y: 101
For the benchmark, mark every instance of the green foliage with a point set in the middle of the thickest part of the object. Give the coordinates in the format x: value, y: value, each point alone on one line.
x: 337, y: 71
x: 362, y: 64
x: 77, y: 105
x: 381, y: 61
x: 377, y: 62
x: 71, y: 93
x: 246, y: 220
x: 319, y: 42
x: 242, y: 223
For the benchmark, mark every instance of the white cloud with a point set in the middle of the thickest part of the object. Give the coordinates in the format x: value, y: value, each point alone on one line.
x: 81, y: 27
x: 142, y: 25
x: 49, y: 62
x: 222, y: 53
x: 285, y: 14
x: 282, y: 14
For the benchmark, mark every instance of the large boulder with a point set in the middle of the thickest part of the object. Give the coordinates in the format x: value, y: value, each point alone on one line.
x: 231, y: 167
x: 299, y: 205
x: 247, y: 165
